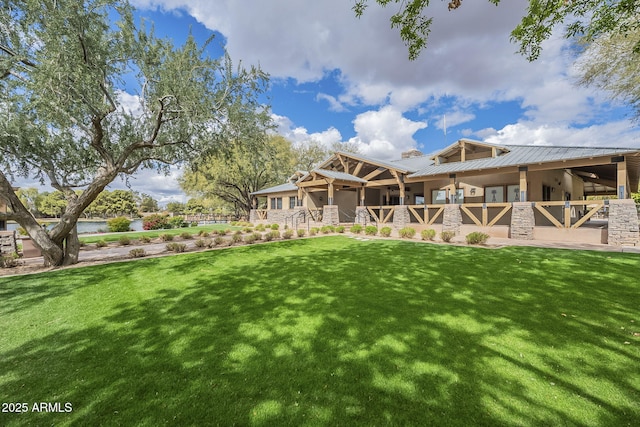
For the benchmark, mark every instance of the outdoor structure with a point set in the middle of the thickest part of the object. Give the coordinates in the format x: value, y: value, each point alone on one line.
x: 520, y: 192
x: 7, y: 238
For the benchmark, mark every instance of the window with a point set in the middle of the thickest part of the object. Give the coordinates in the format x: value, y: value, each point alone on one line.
x: 438, y: 197
x: 293, y: 202
x: 494, y: 194
x: 513, y: 193
x: 419, y: 199
x: 276, y: 203
x: 546, y: 193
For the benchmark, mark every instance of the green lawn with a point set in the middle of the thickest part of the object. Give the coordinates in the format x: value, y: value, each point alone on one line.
x: 329, y: 331
x: 152, y: 234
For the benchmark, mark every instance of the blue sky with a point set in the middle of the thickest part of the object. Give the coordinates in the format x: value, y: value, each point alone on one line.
x: 336, y: 78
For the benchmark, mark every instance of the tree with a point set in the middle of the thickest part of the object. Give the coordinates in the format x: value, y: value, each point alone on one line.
x: 68, y: 70
x: 590, y: 19
x: 175, y: 207
x: 148, y: 204
x: 245, y: 170
x: 309, y: 154
x: 52, y: 204
x: 29, y: 198
x: 611, y: 63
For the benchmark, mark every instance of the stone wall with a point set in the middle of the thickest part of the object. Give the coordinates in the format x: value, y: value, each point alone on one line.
x: 362, y: 215
x: 401, y: 217
x: 8, y: 242
x: 330, y: 215
x: 623, y: 223
x: 452, y: 218
x: 523, y: 221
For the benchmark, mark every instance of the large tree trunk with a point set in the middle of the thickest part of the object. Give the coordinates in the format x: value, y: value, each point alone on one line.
x: 71, y: 247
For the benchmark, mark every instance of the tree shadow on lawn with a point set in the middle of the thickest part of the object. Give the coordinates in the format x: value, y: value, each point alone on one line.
x: 365, y: 333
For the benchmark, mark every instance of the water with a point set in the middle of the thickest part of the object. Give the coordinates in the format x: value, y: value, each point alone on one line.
x: 85, y: 227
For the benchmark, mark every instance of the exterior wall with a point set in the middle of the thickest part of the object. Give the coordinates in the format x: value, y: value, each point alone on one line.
x: 522, y: 221
x: 330, y: 215
x: 623, y: 223
x: 347, y: 202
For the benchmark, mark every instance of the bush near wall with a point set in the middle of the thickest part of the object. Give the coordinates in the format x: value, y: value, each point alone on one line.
x: 477, y: 238
x: 407, y: 232
x: 428, y: 234
x: 356, y: 229
x: 370, y: 230
x: 118, y: 224
x: 446, y: 236
x: 385, y: 231
x: 155, y: 222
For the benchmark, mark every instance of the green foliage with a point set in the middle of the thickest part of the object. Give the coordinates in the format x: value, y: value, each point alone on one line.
x: 118, y: 224
x: 370, y: 230
x: 144, y: 239
x: 260, y: 227
x: 218, y: 241
x: 177, y: 222
x: 428, y: 234
x: 137, y: 253
x: 407, y: 232
x: 236, y: 238
x: 301, y: 232
x: 446, y: 236
x: 588, y: 19
x: 385, y: 231
x: 186, y: 235
x: 326, y: 229
x: 476, y: 238
x: 274, y: 226
x: 109, y: 203
x: 176, y: 247
x: 101, y: 244
x: 148, y: 204
x: 155, y: 222
x: 9, y: 260
x: 200, y: 243
x: 356, y: 229
x: 124, y: 241
x: 340, y: 229
x: 166, y: 237
x: 313, y: 231
x: 176, y: 207
x: 250, y: 238
x: 287, y: 234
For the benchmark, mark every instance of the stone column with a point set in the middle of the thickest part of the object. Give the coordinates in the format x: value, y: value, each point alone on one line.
x: 401, y: 217
x: 523, y: 221
x: 452, y: 218
x: 8, y: 242
x: 623, y: 223
x: 330, y: 215
x: 253, y: 216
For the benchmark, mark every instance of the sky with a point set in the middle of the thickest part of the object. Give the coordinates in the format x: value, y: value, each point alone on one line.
x: 337, y: 78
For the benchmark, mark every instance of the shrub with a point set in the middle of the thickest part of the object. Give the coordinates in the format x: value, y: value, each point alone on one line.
x: 428, y: 234
x: 250, y: 238
x: 385, y: 231
x: 275, y: 234
x: 166, y: 237
x: 200, y: 243
x: 313, y: 231
x: 340, y: 229
x: 275, y: 226
x: 101, y: 244
x: 258, y: 236
x: 176, y: 247
x: 236, y: 238
x: 301, y: 232
x: 218, y: 241
x: 155, y: 222
x: 194, y: 223
x: 21, y: 231
x: 118, y: 224
x: 356, y: 229
x: 137, y: 253
x: 9, y: 261
x: 124, y: 241
x: 260, y: 227
x: 268, y: 237
x: 247, y: 230
x: 326, y: 229
x: 186, y: 235
x: 204, y: 234
x: 225, y: 231
x: 477, y: 238
x: 407, y: 232
x: 446, y: 236
x: 145, y: 239
x: 287, y: 234
x: 177, y: 222
x: 370, y: 230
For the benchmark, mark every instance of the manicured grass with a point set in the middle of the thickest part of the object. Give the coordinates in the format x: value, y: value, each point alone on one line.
x: 114, y: 237
x: 329, y: 331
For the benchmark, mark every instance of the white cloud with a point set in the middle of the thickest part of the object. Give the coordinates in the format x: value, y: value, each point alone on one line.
x: 385, y: 133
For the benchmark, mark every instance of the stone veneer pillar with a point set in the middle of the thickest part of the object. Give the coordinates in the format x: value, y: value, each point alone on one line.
x: 330, y: 215
x: 523, y: 221
x: 623, y: 223
x: 452, y: 218
x: 362, y: 215
x: 401, y: 217
x: 253, y: 216
x: 8, y: 242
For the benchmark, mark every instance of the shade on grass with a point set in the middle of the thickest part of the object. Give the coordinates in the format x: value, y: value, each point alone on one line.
x: 152, y: 234
x: 329, y: 331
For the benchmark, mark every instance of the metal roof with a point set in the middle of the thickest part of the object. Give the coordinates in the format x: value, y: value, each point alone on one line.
x: 339, y: 175
x: 277, y: 189
x: 521, y: 155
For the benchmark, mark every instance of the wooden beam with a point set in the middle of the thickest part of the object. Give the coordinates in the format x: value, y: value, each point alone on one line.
x: 374, y: 173
x: 463, y: 154
x: 548, y: 215
x: 523, y: 185
x: 622, y: 179
x: 381, y: 183
x: 358, y: 168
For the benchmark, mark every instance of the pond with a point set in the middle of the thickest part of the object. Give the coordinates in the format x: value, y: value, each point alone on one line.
x: 85, y: 227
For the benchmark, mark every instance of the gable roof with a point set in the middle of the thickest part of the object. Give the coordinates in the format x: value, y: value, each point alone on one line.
x: 276, y: 189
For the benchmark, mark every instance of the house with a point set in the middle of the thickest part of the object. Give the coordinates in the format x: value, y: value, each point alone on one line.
x: 514, y: 191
